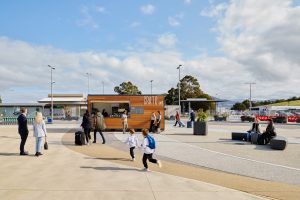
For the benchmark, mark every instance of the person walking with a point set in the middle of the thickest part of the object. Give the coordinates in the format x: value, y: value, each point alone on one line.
x: 124, y: 121
x: 132, y: 142
x: 23, y: 130
x: 152, y: 123
x: 177, y: 119
x: 39, y: 131
x: 148, y: 148
x: 192, y: 116
x: 158, y: 120
x: 87, y: 126
x: 99, y: 126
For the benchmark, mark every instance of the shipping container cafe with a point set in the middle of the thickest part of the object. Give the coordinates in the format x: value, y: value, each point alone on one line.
x: 139, y: 108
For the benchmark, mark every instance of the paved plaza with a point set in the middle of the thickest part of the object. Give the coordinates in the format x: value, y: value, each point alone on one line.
x: 194, y: 167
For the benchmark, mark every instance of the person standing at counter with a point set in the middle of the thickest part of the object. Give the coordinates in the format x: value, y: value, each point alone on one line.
x: 104, y: 113
x: 124, y: 121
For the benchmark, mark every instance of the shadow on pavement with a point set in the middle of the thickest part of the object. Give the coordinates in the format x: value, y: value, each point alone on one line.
x: 111, y: 168
x: 10, y: 137
x: 121, y: 159
x: 9, y: 154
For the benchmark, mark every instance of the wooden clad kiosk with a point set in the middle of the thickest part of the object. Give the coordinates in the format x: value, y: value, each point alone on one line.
x: 139, y: 107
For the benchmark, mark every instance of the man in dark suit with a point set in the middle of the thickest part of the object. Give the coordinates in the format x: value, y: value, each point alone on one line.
x: 23, y: 130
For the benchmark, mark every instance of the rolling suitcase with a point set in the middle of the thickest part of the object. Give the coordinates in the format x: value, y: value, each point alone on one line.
x: 79, y: 138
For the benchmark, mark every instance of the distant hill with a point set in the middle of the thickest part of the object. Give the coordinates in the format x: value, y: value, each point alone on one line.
x: 287, y: 103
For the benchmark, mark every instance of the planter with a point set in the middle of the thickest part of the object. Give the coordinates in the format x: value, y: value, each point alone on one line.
x: 200, y: 128
x: 220, y: 118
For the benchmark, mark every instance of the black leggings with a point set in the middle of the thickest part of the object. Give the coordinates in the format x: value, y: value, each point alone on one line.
x: 95, y: 133
x: 87, y: 132
x: 132, y: 152
x: 148, y: 157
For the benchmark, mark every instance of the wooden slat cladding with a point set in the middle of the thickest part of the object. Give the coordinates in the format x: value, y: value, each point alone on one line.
x: 151, y: 103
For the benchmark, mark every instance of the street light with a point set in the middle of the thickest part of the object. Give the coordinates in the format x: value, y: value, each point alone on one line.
x: 103, y: 87
x: 51, y: 83
x: 88, y: 76
x: 250, y: 103
x: 179, y: 87
x: 151, y: 86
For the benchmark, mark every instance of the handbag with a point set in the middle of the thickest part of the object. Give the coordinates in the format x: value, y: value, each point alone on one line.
x: 46, y: 144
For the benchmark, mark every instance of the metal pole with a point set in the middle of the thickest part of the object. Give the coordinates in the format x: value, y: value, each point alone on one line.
x: 51, y: 68
x: 151, y: 85
x: 250, y: 99
x: 88, y: 76
x: 103, y: 87
x: 179, y: 88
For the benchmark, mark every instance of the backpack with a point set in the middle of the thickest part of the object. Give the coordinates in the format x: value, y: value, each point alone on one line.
x: 152, y: 144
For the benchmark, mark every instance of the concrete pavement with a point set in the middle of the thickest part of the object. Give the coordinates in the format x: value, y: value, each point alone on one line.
x: 65, y: 174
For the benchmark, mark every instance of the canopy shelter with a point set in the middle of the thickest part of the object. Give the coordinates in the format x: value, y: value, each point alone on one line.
x: 203, y: 100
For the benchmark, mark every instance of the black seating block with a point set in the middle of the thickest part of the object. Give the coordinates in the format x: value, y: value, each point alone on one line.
x: 278, y: 143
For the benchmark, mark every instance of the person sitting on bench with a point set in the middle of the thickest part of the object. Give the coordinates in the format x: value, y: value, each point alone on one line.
x: 255, y: 129
x: 268, y: 134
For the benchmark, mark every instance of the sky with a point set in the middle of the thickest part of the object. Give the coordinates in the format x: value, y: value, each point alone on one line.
x: 224, y: 44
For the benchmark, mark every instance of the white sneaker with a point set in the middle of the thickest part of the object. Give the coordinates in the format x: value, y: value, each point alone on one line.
x: 133, y: 159
x: 159, y: 164
x: 146, y: 170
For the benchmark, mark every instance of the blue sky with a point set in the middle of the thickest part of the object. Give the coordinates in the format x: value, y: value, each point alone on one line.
x: 107, y: 25
x: 222, y: 43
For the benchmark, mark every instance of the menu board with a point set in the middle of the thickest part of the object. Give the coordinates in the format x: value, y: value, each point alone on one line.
x: 137, y: 110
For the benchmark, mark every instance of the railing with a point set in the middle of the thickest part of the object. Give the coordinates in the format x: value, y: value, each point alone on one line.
x: 13, y: 120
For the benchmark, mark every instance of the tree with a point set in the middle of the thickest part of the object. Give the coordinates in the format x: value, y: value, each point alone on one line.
x: 189, y: 88
x: 0, y: 99
x: 239, y: 107
x: 246, y: 103
x: 172, y: 97
x: 127, y: 88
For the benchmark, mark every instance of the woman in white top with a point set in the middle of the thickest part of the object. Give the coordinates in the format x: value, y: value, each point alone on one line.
x: 39, y: 131
x: 152, y: 123
x: 124, y: 121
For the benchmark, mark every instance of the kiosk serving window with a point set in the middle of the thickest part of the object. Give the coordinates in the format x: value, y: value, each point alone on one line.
x: 112, y: 109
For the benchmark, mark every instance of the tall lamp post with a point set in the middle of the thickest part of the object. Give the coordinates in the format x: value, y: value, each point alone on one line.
x: 102, y: 87
x: 250, y: 99
x: 179, y: 87
x: 151, y: 86
x: 51, y: 83
x: 88, y: 76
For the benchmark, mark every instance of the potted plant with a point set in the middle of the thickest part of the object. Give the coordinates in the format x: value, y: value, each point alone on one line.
x: 200, y: 125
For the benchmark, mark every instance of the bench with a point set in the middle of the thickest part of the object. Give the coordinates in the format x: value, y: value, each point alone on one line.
x: 239, y: 136
x: 278, y: 143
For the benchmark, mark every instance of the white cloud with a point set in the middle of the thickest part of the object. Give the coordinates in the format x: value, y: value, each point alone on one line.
x: 167, y: 39
x: 255, y: 49
x: 187, y: 1
x: 173, y: 21
x: 148, y: 9
x: 214, y: 11
x: 100, y: 9
x: 135, y: 24
x: 87, y: 19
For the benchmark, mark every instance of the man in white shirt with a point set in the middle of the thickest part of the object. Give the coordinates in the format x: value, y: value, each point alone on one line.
x: 124, y: 121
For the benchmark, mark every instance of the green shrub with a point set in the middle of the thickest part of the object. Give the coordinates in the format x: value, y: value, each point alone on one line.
x: 201, y: 116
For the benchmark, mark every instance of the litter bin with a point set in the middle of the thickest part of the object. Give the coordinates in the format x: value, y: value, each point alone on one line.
x: 50, y: 120
x: 189, y: 124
